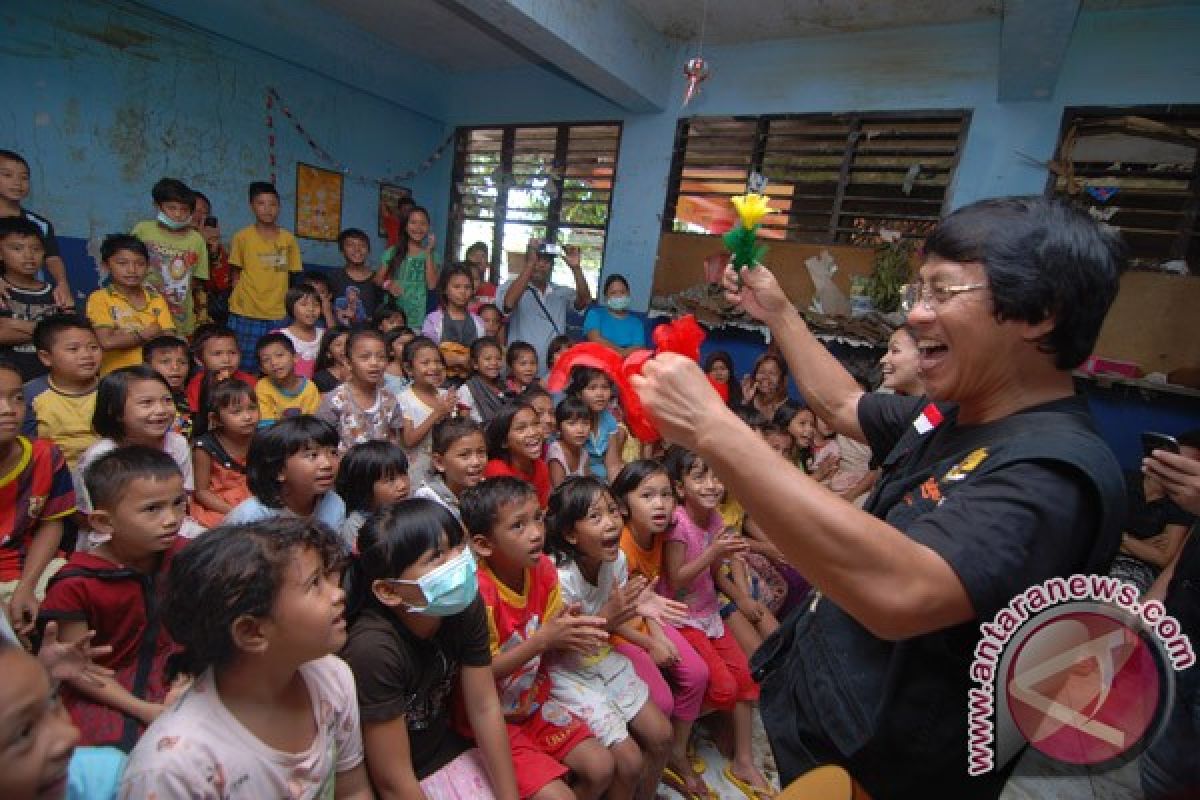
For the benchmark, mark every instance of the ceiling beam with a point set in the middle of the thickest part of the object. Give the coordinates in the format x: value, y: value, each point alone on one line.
x: 605, y: 45
x: 1033, y: 44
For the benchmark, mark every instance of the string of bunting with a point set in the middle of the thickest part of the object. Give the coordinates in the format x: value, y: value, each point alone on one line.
x: 275, y: 101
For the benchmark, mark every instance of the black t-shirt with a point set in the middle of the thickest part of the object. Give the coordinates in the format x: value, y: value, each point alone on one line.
x: 353, y: 301
x: 30, y: 305
x: 399, y: 674
x: 51, y: 241
x: 1002, y: 534
x: 1147, y: 519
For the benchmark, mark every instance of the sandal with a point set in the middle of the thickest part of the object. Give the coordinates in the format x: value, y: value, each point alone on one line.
x: 751, y: 792
x: 672, y: 779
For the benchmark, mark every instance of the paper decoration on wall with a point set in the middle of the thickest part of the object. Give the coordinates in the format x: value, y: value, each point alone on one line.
x: 1102, y: 194
x: 318, y: 203
x: 274, y: 100
x: 756, y: 183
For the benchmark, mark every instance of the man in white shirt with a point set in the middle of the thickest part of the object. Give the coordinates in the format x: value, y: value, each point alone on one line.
x: 537, y: 309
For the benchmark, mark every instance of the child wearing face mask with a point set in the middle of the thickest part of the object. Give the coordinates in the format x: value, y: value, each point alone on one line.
x: 178, y: 254
x: 612, y: 324
x: 419, y: 633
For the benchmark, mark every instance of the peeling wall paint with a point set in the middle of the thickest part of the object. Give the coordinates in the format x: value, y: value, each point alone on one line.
x: 105, y: 98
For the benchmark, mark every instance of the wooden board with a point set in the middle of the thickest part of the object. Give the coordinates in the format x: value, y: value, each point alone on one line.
x: 1155, y: 322
x: 680, y: 264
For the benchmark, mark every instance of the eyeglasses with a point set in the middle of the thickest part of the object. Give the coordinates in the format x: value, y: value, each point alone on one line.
x: 932, y: 296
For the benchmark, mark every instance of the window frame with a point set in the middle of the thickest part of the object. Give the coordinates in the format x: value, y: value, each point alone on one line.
x: 837, y: 231
x: 456, y: 216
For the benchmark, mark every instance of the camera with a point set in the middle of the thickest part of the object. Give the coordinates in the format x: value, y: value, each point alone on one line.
x: 551, y: 249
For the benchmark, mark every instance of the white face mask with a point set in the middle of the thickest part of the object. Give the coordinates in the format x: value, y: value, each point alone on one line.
x: 618, y: 303
x: 448, y: 589
x: 171, y: 223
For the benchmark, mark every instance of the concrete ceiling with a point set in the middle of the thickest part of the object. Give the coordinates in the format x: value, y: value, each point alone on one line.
x: 737, y: 21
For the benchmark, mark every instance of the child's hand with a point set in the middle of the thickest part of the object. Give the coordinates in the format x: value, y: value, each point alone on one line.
x: 622, y: 602
x: 574, y: 632
x: 23, y: 609
x: 726, y: 545
x: 752, y: 611
x: 667, y: 611
x: 748, y: 387
x: 445, y: 405
x: 73, y: 662
x: 430, y: 241
x: 664, y: 652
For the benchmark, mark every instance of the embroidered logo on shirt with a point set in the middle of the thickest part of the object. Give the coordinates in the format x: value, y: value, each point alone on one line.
x: 967, y: 465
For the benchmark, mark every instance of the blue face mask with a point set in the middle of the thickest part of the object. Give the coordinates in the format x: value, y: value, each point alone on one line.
x: 172, y: 224
x: 618, y: 303
x: 448, y: 589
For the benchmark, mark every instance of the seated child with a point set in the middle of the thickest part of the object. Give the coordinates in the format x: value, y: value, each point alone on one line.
x: 526, y: 620
x: 332, y: 369
x: 522, y: 361
x: 483, y: 392
x: 303, y: 305
x: 134, y: 405
x: 22, y: 256
x: 216, y: 351
x: 387, y: 318
x: 138, y: 506
x: 602, y: 686
x: 424, y: 404
x: 543, y: 403
x: 643, y: 490
x: 290, y: 469
x: 259, y: 612
x: 419, y: 637
x: 493, y: 321
x: 514, y: 441
x: 606, y: 437
x: 566, y: 456
x: 168, y: 356
x: 695, y: 547
x: 62, y: 402
x: 36, y: 495
x: 394, y: 376
x: 220, y: 451
x: 371, y: 476
x: 361, y: 409
x: 127, y: 312
x: 282, y: 393
x: 459, y: 457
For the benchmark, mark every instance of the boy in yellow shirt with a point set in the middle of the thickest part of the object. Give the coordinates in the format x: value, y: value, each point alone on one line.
x: 127, y: 313
x: 60, y: 405
x: 262, y: 256
x: 281, y: 392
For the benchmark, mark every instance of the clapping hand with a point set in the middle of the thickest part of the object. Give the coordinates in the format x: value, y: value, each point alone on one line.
x: 575, y: 632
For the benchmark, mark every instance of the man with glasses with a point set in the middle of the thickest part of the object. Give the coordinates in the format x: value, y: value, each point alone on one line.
x: 992, y: 483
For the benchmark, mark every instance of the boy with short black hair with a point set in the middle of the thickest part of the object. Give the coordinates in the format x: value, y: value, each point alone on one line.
x: 14, y: 188
x: 281, y: 392
x: 303, y: 303
x: 262, y: 256
x: 178, y: 254
x: 61, y: 403
x: 126, y: 313
x: 355, y: 293
x: 168, y: 356
x: 215, y: 350
x: 139, y: 503
x: 519, y: 586
x: 36, y: 495
x: 22, y: 255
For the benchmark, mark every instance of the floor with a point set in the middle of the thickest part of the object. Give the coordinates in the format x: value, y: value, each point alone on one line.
x: 706, y: 750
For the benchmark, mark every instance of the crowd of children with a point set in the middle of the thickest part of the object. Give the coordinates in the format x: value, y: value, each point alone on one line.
x: 320, y: 543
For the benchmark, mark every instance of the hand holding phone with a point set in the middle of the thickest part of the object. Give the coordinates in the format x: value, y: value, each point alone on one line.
x: 1158, y: 441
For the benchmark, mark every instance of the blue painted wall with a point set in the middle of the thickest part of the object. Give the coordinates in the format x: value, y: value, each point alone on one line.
x: 105, y: 98
x: 1115, y: 58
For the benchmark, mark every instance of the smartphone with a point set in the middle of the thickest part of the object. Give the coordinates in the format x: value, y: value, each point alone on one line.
x: 1158, y: 441
x: 210, y: 222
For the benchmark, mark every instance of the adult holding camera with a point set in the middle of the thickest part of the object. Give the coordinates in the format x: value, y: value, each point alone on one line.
x: 536, y: 307
x: 998, y: 484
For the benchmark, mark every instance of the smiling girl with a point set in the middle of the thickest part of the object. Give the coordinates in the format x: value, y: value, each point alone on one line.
x: 514, y: 443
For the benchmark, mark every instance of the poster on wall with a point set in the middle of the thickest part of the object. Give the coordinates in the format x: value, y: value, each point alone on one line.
x: 390, y: 196
x: 318, y: 203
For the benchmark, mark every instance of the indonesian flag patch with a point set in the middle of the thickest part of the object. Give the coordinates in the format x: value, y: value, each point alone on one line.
x: 928, y: 419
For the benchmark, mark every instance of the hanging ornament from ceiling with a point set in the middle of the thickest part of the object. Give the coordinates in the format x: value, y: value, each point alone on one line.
x: 696, y: 70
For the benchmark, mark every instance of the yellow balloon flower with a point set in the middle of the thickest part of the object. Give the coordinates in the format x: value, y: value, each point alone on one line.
x: 750, y: 208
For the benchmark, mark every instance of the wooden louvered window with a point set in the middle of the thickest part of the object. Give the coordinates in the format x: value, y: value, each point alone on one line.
x: 835, y: 178
x: 520, y: 181
x: 1135, y: 168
